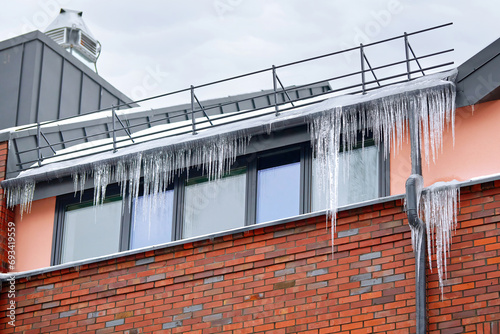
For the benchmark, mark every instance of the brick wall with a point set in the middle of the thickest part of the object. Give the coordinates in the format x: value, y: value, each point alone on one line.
x: 6, y: 215
x: 280, y: 279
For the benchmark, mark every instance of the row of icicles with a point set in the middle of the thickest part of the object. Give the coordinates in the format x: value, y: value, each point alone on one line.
x: 331, y: 131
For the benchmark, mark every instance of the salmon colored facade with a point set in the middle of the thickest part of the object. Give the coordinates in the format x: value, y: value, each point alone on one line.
x: 474, y: 153
x: 34, y: 235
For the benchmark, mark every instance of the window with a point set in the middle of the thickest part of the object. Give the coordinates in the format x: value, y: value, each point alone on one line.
x: 278, y: 186
x: 216, y: 205
x: 278, y: 179
x: 152, y: 220
x: 91, y: 231
x: 358, y: 178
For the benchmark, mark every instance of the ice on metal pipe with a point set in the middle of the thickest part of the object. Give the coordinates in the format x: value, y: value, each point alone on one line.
x: 417, y: 231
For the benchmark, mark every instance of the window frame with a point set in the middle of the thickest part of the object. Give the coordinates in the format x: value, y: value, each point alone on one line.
x: 196, y: 172
x: 66, y: 200
x: 262, y: 146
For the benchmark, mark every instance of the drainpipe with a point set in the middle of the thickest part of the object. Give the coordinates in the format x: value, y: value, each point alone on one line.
x: 413, y: 190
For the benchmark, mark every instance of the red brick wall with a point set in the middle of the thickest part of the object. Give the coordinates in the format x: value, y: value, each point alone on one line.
x: 6, y: 215
x: 471, y: 299
x: 280, y: 279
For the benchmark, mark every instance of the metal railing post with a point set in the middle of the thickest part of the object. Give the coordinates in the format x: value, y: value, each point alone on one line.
x: 408, y: 70
x: 114, y: 127
x: 38, y: 151
x: 275, y: 87
x: 193, y: 119
x: 362, y: 57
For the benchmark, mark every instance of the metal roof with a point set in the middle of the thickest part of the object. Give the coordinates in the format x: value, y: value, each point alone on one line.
x: 478, y: 78
x: 40, y: 81
x: 99, y: 126
x: 40, y: 141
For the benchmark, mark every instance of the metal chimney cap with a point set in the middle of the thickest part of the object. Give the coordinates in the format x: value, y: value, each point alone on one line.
x: 68, y: 18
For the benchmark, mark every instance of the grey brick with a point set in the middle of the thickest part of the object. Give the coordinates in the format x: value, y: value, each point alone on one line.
x: 369, y: 256
x: 96, y: 314
x: 50, y: 304
x: 317, y: 272
x: 145, y: 261
x: 213, y: 279
x: 370, y: 282
x: 394, y: 278
x: 156, y: 277
x: 360, y: 291
x: 348, y: 233
x: 67, y: 314
x: 45, y: 287
x: 284, y: 272
x: 361, y: 277
x: 172, y: 324
x: 212, y: 317
x: 114, y: 323
x: 193, y: 308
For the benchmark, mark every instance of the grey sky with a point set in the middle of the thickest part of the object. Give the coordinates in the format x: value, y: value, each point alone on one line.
x: 151, y: 47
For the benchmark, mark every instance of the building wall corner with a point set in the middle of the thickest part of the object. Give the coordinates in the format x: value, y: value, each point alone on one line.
x: 6, y: 214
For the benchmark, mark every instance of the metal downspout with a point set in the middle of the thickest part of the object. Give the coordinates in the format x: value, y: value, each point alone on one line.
x: 412, y: 200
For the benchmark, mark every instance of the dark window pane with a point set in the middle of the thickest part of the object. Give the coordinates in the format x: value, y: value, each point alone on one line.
x: 214, y: 206
x: 91, y: 231
x: 278, y: 192
x: 152, y: 220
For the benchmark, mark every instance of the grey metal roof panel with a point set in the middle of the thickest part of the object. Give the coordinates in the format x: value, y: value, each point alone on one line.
x: 99, y: 126
x: 478, y: 78
x: 42, y: 81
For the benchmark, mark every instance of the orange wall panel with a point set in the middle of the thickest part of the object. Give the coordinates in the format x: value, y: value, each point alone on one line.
x: 34, y: 235
x: 476, y: 151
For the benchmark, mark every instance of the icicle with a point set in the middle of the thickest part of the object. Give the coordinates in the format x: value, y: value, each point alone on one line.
x: 79, y: 180
x: 417, y: 233
x: 21, y: 194
x: 102, y: 177
x: 387, y: 118
x: 439, y: 209
x: 325, y: 140
x: 384, y: 116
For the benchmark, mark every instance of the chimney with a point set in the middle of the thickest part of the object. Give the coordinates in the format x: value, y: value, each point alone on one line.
x: 69, y: 31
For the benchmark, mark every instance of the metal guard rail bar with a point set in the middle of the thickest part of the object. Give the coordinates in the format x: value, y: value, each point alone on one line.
x: 203, y: 109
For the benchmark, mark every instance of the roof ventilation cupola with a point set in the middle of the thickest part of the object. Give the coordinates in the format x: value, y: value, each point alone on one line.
x: 69, y: 31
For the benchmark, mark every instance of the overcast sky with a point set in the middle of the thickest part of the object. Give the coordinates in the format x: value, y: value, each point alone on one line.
x: 152, y: 47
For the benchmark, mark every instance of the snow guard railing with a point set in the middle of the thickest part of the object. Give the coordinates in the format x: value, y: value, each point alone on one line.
x: 39, y: 145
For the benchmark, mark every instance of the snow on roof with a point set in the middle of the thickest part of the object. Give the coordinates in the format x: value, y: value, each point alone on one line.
x: 248, y: 123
